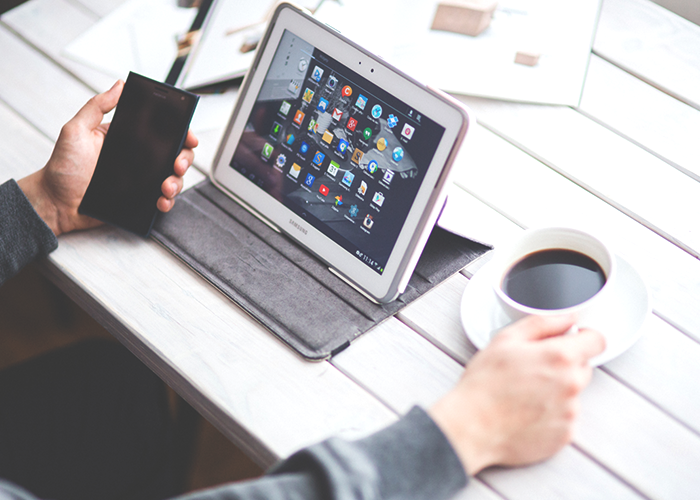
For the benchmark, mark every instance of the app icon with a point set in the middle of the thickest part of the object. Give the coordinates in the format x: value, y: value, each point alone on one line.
x: 367, y: 134
x: 368, y: 222
x: 285, y: 107
x: 337, y: 114
x: 347, y: 91
x: 299, y: 117
x: 309, y: 180
x: 388, y: 176
x: 357, y: 156
x: 304, y: 148
x: 318, y: 158
x: 342, y: 146
x: 407, y: 131
x: 348, y: 178
x: 290, y: 139
x: 378, y: 199
x: 275, y: 130
x: 293, y: 86
x: 322, y: 104
x: 295, y: 170
x: 361, y: 102
x: 372, y: 167
x: 267, y: 150
x: 362, y: 189
x: 333, y: 168
x: 392, y: 121
x: 308, y: 95
x: 381, y: 144
x: 377, y: 111
x: 353, y: 210
x: 331, y: 83
x: 317, y: 74
x: 303, y: 63
x: 323, y: 189
x: 397, y: 155
x: 338, y: 200
x: 281, y: 160
x: 352, y: 123
x: 312, y: 126
x: 327, y: 137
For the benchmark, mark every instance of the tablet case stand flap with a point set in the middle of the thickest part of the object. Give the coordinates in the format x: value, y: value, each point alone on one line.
x: 281, y: 284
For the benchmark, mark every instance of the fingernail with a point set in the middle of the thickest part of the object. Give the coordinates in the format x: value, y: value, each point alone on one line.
x: 174, y: 189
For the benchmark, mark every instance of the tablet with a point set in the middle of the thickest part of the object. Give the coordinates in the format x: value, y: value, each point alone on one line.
x: 339, y: 150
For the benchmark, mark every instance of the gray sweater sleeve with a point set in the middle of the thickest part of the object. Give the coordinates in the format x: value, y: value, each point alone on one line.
x: 23, y: 234
x: 409, y: 460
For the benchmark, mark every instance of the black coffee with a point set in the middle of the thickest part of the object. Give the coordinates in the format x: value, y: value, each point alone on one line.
x: 553, y: 279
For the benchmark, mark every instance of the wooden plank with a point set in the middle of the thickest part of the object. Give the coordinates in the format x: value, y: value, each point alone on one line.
x: 24, y: 149
x: 476, y: 490
x: 38, y: 90
x: 621, y: 173
x: 652, y: 43
x: 663, y: 367
x: 50, y: 25
x: 538, y: 196
x: 257, y: 390
x: 403, y: 370
x: 656, y: 454
x: 555, y: 478
x: 444, y: 326
x: 661, y: 124
x: 405, y: 384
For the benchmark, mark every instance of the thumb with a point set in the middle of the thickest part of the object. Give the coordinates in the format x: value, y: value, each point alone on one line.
x: 92, y: 113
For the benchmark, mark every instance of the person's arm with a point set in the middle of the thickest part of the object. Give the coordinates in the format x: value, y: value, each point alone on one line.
x: 409, y: 460
x: 23, y: 234
x: 44, y: 204
x: 515, y: 405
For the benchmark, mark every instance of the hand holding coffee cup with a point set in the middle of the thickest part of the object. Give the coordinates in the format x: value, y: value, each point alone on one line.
x: 555, y: 271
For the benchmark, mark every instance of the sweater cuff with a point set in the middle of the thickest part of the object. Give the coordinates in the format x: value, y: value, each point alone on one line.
x: 411, y: 459
x: 24, y: 236
x: 416, y: 447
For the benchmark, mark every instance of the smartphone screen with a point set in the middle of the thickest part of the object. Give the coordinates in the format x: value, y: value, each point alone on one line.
x: 146, y: 134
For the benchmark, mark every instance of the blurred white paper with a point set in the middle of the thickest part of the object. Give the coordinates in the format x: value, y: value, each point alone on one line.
x: 230, y: 25
x: 218, y: 57
x: 561, y: 32
x: 139, y: 36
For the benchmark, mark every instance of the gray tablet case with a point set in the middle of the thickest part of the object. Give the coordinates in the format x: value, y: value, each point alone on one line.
x: 281, y: 284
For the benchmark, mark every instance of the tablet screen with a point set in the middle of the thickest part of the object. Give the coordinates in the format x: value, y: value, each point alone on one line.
x: 336, y: 149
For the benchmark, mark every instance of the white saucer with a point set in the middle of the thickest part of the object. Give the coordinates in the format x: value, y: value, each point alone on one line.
x: 628, y: 308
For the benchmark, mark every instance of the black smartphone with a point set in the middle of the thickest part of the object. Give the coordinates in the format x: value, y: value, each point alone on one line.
x: 146, y: 134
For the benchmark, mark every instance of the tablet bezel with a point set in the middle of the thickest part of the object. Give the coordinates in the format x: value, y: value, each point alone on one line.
x: 421, y: 217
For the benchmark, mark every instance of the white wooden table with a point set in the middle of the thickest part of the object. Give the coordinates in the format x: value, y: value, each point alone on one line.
x: 625, y: 164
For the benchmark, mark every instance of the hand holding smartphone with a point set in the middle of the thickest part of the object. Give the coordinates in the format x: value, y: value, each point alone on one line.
x: 145, y: 137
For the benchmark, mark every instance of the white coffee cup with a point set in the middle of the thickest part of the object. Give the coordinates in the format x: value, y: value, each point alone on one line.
x: 591, y: 312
